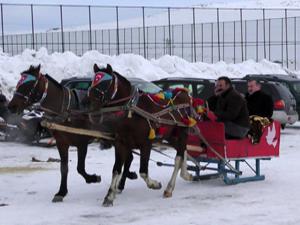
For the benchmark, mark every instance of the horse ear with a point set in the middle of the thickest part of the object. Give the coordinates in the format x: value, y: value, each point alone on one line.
x: 96, y: 68
x: 38, y: 68
x: 109, y: 68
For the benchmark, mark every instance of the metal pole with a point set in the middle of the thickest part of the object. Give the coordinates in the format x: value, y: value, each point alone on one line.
x: 269, y: 39
x: 169, y: 23
x: 32, y: 27
x: 212, y: 42
x: 286, y: 39
x: 62, y: 29
x: 108, y: 41
x: 192, y: 52
x: 124, y: 36
x: 241, y: 20
x: 264, y: 30
x: 90, y: 27
x: 118, y: 38
x: 194, y: 29
x: 223, y: 38
x: 202, y: 47
x: 102, y: 40
x: 155, y: 42
x: 2, y: 27
x: 233, y: 41
x: 245, y: 40
x: 182, y: 38
x: 256, y: 40
x: 295, y: 42
x: 218, y: 28
x: 144, y: 32
x: 131, y: 48
x: 282, y: 27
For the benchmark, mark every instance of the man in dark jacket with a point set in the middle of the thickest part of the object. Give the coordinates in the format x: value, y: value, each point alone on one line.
x: 258, y: 102
x: 229, y: 107
x: 260, y: 106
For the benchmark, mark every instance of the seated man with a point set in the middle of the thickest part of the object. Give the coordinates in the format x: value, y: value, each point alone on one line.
x: 258, y: 102
x: 260, y: 106
x: 229, y: 107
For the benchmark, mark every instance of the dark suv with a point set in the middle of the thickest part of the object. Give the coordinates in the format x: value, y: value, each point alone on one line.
x: 291, y: 82
x: 284, y: 102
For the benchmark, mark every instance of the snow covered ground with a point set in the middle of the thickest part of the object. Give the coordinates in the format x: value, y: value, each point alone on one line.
x: 26, y: 190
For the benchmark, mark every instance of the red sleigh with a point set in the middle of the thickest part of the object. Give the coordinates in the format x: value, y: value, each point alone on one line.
x: 223, y: 153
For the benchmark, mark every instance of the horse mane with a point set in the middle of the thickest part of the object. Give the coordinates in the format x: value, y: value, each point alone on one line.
x: 122, y: 78
x: 55, y: 82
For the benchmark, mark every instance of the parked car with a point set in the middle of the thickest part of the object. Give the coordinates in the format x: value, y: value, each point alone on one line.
x: 291, y: 82
x: 284, y: 102
x: 83, y: 84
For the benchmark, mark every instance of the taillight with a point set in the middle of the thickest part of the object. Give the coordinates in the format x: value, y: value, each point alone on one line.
x: 279, y: 104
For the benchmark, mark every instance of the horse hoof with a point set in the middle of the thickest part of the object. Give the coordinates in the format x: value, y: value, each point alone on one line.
x: 132, y: 175
x: 98, y: 179
x: 187, y: 177
x: 107, y: 203
x: 93, y: 179
x: 167, y: 194
x: 155, y: 186
x: 57, y: 198
x: 119, y: 191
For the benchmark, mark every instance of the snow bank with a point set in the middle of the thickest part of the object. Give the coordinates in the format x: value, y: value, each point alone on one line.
x: 64, y: 65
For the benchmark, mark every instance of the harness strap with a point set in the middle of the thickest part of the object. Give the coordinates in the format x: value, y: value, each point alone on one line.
x: 151, y: 117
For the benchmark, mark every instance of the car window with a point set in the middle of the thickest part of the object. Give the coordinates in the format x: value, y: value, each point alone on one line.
x: 199, y: 89
x: 80, y: 85
x: 182, y: 85
x: 146, y: 86
x: 296, y: 87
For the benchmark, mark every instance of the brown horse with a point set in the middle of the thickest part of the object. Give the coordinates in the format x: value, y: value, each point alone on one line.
x: 56, y: 101
x: 111, y: 90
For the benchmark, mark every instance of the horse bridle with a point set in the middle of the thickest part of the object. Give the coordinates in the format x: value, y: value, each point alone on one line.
x: 104, y: 94
x: 28, y: 98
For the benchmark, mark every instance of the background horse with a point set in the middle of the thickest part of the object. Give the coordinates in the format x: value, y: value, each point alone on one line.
x: 56, y: 101
x: 132, y: 132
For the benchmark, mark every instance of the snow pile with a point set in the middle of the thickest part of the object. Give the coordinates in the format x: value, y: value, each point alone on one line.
x: 255, y: 4
x: 64, y: 65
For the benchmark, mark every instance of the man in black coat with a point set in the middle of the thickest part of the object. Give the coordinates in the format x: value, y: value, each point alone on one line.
x: 258, y: 102
x: 260, y: 106
x: 229, y: 107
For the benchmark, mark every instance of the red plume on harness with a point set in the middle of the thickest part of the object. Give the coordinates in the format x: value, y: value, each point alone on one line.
x: 97, y: 79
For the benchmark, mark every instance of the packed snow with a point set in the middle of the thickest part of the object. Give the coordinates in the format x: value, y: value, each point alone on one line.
x: 27, y: 188
x: 65, y: 65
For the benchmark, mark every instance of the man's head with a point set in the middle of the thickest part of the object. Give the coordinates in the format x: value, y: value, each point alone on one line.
x: 222, y: 85
x: 253, y: 86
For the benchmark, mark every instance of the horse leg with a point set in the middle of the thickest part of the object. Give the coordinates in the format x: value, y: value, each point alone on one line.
x: 184, y: 172
x: 144, y: 161
x: 81, y: 154
x: 120, y: 155
x: 171, y: 185
x: 126, y: 173
x: 64, y: 157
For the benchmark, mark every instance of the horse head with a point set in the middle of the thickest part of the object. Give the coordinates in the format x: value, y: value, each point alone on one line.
x: 29, y: 90
x: 106, y: 87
